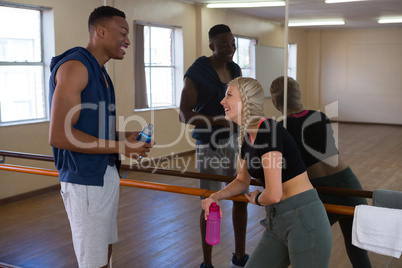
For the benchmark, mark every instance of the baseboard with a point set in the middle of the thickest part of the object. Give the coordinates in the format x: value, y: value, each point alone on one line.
x: 30, y: 194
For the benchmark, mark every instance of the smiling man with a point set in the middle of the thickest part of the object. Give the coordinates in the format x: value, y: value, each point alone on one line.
x: 205, y: 84
x: 84, y: 139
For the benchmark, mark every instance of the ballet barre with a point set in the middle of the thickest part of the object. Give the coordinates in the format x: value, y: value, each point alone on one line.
x: 192, y: 175
x: 163, y: 187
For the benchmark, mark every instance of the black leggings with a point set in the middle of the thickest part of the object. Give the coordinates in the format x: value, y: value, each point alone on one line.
x: 345, y: 179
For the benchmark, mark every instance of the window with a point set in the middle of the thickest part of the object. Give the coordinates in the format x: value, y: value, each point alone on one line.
x: 22, y: 68
x: 245, y: 55
x: 292, y: 60
x: 158, y: 71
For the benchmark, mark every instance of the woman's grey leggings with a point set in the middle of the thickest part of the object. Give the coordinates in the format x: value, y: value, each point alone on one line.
x: 297, y: 233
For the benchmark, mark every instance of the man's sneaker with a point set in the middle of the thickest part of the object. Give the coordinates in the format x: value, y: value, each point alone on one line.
x: 239, y: 263
x: 205, y: 266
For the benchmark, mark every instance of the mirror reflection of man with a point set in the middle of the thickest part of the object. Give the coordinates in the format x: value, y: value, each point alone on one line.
x: 205, y: 84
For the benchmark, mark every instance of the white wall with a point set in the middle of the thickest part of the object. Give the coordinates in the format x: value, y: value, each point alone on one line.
x: 362, y: 70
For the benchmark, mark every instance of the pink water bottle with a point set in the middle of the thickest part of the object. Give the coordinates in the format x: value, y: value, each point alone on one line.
x: 213, y: 224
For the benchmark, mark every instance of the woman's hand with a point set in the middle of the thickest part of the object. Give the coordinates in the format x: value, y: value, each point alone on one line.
x: 206, y: 203
x: 251, y: 196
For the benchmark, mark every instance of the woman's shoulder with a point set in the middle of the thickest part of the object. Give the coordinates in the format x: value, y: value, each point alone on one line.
x: 270, y: 128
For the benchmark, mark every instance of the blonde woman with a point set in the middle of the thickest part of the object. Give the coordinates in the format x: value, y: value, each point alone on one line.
x: 313, y: 135
x: 297, y: 228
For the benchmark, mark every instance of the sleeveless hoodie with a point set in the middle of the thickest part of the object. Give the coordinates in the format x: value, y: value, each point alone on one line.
x: 97, y: 117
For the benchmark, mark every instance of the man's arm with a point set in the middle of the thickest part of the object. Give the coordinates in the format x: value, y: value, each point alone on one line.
x: 71, y: 79
x: 122, y: 135
x: 188, y: 102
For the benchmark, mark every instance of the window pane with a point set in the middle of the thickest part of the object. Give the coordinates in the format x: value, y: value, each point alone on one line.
x: 146, y: 45
x: 244, y: 55
x: 159, y: 86
x: 161, y: 46
x: 292, y: 60
x: 244, y: 52
x: 21, y: 41
x: 160, y: 69
x: 236, y: 54
x: 247, y: 72
x: 21, y: 93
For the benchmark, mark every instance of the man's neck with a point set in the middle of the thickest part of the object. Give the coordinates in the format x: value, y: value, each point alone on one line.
x: 217, y: 64
x: 96, y: 54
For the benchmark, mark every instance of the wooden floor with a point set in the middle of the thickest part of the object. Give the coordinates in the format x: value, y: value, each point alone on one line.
x: 158, y: 229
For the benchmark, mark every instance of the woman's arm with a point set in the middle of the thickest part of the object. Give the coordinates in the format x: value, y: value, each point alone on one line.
x: 237, y: 186
x: 272, y: 194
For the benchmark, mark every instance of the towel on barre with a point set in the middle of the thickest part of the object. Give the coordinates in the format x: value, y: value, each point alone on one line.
x: 387, y: 198
x: 378, y: 230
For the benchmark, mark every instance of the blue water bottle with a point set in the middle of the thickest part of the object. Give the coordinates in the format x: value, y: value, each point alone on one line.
x: 146, y: 134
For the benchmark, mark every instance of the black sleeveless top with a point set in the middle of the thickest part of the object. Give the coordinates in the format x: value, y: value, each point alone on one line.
x: 313, y: 134
x: 272, y: 137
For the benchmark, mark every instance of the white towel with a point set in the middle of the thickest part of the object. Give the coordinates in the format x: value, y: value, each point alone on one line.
x: 378, y: 230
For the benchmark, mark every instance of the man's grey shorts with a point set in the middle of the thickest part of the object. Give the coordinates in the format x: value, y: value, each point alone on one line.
x: 219, y: 161
x: 92, y: 212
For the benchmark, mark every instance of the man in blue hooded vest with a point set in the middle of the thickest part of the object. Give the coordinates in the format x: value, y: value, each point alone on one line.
x: 83, y: 136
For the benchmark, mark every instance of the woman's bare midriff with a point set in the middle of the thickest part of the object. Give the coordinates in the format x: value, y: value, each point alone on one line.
x: 327, y: 167
x: 297, y: 185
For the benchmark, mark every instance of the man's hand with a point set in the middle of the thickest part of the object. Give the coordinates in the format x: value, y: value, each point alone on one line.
x: 136, y: 149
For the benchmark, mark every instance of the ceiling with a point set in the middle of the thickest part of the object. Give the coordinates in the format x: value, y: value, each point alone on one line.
x: 362, y: 14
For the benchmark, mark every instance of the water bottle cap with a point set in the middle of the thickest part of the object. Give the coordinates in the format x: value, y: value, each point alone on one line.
x: 148, y: 129
x: 214, y: 207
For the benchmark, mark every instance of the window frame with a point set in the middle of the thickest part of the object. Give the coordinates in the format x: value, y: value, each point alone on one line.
x: 251, y: 52
x: 47, y: 51
x: 177, y: 66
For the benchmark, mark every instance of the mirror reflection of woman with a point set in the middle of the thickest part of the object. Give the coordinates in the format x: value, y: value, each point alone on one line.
x: 297, y: 228
x: 313, y: 134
